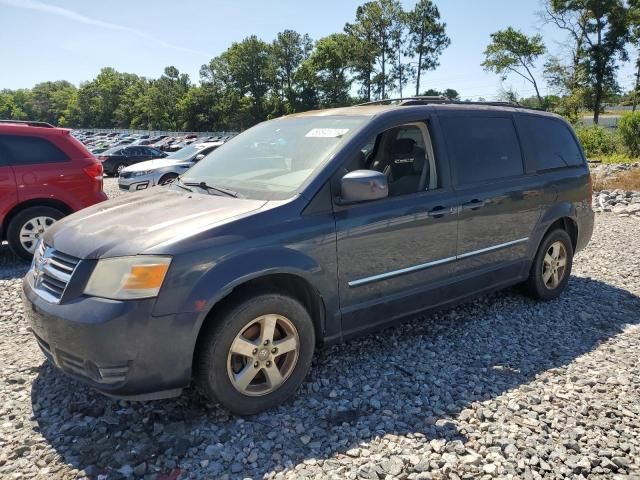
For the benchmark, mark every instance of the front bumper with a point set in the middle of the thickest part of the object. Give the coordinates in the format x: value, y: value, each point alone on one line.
x: 117, y: 347
x: 134, y: 184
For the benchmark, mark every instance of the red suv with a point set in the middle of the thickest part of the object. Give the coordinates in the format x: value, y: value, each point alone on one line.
x: 45, y: 174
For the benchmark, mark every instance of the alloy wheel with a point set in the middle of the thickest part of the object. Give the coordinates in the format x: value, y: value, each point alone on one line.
x: 554, y: 265
x: 263, y: 355
x: 33, y: 230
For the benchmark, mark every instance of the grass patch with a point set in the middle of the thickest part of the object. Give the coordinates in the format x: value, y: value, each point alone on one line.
x: 629, y: 181
x: 615, y: 158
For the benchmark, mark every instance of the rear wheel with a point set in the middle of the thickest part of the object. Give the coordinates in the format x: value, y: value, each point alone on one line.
x: 551, y: 267
x: 167, y: 178
x: 256, y: 354
x: 28, y: 226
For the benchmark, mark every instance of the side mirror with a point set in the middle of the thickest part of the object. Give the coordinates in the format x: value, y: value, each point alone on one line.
x: 362, y: 186
x: 199, y: 157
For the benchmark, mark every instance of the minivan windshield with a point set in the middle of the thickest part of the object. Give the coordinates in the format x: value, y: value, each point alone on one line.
x: 272, y: 160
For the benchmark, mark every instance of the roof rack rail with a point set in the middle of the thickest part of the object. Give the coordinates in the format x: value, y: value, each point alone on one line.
x: 30, y: 123
x: 384, y: 101
x: 440, y: 100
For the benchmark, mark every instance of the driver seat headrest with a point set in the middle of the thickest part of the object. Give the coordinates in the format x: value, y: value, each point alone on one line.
x: 401, y: 146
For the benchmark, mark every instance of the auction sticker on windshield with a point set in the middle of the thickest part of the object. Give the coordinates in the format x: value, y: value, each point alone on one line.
x: 326, y: 132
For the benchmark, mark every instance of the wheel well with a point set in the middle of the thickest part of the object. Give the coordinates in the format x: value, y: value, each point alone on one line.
x: 289, y: 284
x: 37, y: 202
x: 168, y: 174
x: 569, y: 226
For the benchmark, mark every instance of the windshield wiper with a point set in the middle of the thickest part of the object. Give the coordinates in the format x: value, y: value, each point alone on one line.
x: 178, y: 183
x: 211, y: 188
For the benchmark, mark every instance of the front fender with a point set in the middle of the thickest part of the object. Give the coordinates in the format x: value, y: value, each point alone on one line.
x: 194, y: 289
x: 197, y: 282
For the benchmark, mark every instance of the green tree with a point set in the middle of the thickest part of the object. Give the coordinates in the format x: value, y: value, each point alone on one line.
x: 373, y: 32
x: 511, y: 51
x: 247, y: 64
x: 451, y: 94
x: 604, y: 30
x: 307, y: 87
x: 15, y: 104
x: 49, y: 100
x: 288, y: 51
x: 233, y: 109
x: 331, y: 61
x: 427, y: 37
x: 448, y: 93
x: 162, y: 99
x: 634, y: 21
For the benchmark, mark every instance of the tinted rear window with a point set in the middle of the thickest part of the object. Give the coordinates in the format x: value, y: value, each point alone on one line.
x: 25, y: 150
x: 550, y: 143
x: 482, y: 148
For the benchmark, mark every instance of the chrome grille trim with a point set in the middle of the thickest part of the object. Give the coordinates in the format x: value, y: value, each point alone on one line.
x: 51, y: 272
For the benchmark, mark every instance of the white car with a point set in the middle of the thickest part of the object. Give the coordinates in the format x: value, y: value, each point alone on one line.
x: 162, y: 171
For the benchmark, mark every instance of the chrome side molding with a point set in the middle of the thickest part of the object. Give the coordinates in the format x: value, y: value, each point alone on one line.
x: 423, y: 266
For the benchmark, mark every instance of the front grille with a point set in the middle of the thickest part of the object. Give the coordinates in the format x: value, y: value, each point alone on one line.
x: 124, y: 174
x: 52, y: 271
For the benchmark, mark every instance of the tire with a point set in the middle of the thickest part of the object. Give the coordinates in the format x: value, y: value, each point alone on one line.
x: 540, y: 285
x: 33, y: 217
x: 117, y: 168
x: 167, y: 178
x: 216, y: 364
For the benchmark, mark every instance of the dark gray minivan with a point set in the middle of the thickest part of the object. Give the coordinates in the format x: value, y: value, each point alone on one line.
x: 302, y: 231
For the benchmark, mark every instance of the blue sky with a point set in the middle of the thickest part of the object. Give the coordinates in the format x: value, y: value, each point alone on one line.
x: 72, y: 39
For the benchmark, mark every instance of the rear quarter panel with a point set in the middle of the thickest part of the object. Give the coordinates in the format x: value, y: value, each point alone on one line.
x: 62, y: 181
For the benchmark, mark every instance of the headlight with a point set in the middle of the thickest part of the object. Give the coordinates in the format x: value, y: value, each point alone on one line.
x: 126, y: 278
x: 141, y: 173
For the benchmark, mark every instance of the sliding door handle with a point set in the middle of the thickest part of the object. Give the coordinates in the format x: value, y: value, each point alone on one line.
x: 440, y: 211
x: 473, y: 204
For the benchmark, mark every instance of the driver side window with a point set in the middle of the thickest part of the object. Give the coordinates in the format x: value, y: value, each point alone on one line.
x: 404, y: 154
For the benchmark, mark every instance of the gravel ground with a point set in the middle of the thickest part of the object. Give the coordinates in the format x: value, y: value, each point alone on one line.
x: 500, y: 387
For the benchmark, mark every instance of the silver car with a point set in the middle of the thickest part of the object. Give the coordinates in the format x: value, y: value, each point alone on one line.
x: 161, y: 171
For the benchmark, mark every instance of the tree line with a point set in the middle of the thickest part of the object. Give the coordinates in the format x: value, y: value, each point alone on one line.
x: 378, y: 55
x: 597, y: 35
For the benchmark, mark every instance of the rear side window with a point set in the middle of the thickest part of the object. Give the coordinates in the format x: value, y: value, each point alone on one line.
x: 151, y: 151
x: 25, y: 150
x: 482, y: 148
x: 550, y: 143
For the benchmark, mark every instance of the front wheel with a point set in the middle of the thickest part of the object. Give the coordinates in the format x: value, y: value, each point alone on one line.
x: 28, y: 226
x: 551, y: 267
x: 256, y: 354
x: 167, y: 178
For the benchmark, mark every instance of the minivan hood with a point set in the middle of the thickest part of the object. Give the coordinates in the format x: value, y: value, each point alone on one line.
x: 154, y: 164
x: 137, y: 222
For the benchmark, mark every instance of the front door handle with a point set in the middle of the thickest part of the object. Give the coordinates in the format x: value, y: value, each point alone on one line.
x: 473, y: 204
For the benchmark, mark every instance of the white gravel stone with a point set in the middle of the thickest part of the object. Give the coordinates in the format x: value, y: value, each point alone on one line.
x: 499, y: 387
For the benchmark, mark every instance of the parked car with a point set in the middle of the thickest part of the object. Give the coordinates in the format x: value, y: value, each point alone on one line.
x: 308, y: 230
x: 45, y: 174
x: 117, y: 158
x: 163, y: 171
